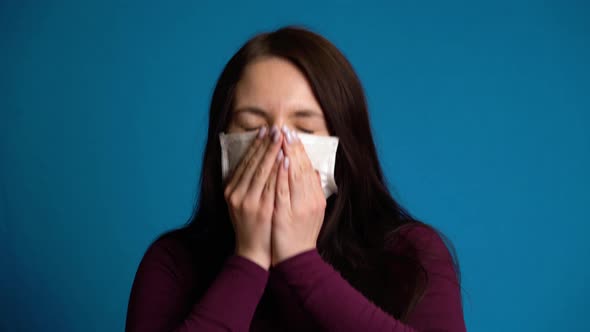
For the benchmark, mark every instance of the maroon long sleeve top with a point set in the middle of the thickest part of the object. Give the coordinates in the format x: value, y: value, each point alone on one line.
x: 308, y: 294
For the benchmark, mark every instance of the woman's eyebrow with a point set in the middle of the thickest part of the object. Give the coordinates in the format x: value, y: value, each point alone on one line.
x: 252, y: 110
x: 306, y: 114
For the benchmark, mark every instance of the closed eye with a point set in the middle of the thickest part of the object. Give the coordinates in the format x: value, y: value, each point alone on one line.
x: 304, y: 130
x: 251, y: 129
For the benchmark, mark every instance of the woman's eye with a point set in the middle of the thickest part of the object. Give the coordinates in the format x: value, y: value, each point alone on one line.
x: 251, y: 128
x: 305, y: 131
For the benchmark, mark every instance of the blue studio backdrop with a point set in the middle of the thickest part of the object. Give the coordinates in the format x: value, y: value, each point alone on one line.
x: 481, y: 113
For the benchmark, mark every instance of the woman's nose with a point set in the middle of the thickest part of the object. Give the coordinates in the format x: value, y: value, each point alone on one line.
x: 280, y: 124
x: 283, y: 127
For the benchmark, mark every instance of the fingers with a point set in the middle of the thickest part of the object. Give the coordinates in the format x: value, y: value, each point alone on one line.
x: 257, y: 144
x: 252, y: 165
x: 264, y: 168
x: 300, y: 170
x: 295, y: 149
x: 268, y: 193
x: 282, y: 196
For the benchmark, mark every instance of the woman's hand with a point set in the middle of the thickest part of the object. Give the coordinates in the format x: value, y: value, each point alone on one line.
x: 250, y: 196
x: 300, y: 203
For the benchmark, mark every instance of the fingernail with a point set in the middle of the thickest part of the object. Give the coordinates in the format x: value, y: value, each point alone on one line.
x: 286, y: 163
x: 275, y: 133
x: 295, y: 136
x: 262, y: 132
x: 280, y: 156
x: 289, y: 137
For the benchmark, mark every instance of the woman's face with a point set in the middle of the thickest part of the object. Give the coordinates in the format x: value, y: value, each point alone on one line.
x: 272, y: 91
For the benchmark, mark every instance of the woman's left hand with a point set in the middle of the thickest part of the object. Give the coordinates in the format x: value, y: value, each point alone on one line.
x: 300, y: 203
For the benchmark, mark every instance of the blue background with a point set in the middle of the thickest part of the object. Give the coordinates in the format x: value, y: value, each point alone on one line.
x: 481, y: 114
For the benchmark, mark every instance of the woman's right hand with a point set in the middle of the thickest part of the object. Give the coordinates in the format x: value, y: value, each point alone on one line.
x: 250, y: 195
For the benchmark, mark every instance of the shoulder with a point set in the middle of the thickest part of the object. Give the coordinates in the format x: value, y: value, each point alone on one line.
x: 173, y: 244
x: 170, y: 254
x: 422, y: 235
x: 164, y: 285
x: 430, y: 246
x: 440, y: 303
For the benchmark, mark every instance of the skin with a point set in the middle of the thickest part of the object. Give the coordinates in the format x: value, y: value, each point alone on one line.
x: 274, y: 197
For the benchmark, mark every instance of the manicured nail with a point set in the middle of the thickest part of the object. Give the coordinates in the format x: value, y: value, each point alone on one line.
x: 295, y: 136
x: 288, y: 135
x: 262, y: 132
x: 275, y: 133
x: 280, y: 156
x: 286, y: 163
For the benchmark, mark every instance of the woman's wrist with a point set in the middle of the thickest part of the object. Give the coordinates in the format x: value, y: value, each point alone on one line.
x: 259, y: 259
x: 287, y: 254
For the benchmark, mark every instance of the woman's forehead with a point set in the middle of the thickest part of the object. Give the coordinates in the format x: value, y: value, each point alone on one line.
x: 274, y: 85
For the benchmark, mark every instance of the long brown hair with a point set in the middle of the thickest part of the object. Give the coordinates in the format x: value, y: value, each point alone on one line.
x: 362, y: 219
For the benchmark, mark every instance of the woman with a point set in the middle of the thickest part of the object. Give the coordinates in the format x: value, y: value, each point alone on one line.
x: 265, y: 250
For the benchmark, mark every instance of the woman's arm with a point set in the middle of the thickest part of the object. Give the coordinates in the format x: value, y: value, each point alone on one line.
x: 160, y: 301
x: 337, y: 306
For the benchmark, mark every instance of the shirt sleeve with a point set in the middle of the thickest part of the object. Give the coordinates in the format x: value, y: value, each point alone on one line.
x: 158, y: 300
x: 337, y: 306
